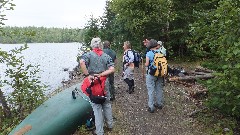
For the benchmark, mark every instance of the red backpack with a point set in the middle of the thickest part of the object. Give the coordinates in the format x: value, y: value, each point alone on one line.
x: 95, y: 89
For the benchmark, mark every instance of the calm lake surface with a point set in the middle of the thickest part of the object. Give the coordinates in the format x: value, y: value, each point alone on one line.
x: 53, y: 58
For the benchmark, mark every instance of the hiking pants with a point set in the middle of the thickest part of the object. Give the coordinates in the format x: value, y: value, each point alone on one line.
x: 112, y: 88
x: 154, y: 84
x: 129, y: 76
x: 101, y: 113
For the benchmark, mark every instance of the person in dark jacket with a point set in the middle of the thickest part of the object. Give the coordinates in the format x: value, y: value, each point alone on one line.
x: 107, y: 49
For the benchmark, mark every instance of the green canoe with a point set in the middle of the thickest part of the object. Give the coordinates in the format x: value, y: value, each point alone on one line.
x: 59, y: 115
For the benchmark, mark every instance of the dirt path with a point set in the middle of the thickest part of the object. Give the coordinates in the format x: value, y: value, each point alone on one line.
x: 132, y: 118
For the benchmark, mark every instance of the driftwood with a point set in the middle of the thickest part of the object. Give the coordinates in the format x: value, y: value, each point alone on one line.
x: 184, y: 83
x: 196, y: 73
x: 205, y: 70
x: 188, y: 78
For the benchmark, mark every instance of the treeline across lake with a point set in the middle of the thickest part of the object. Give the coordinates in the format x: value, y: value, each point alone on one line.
x: 14, y: 35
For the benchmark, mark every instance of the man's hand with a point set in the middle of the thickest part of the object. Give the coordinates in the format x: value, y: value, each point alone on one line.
x: 97, y: 75
x: 90, y: 78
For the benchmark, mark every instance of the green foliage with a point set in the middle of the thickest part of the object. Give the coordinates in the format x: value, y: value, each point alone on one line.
x: 5, y: 5
x: 13, y: 35
x: 142, y: 18
x: 107, y: 30
x: 178, y: 32
x: 91, y: 30
x: 27, y: 90
x: 130, y: 20
x: 216, y: 36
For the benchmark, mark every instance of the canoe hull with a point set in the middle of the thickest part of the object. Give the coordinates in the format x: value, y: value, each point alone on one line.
x: 59, y: 115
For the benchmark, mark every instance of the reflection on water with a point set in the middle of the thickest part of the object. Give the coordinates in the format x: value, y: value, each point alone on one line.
x: 53, y: 58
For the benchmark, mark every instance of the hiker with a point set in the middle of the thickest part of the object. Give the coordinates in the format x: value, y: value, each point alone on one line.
x: 97, y: 64
x: 112, y: 54
x: 128, y: 66
x: 145, y: 43
x: 154, y: 84
x: 161, y: 48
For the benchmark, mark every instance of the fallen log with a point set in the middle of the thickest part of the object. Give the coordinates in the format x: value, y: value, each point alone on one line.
x: 205, y: 70
x: 184, y: 83
x: 197, y: 73
x: 188, y: 78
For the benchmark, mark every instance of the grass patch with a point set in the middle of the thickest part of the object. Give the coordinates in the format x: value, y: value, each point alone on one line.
x: 82, y: 130
x: 216, y: 123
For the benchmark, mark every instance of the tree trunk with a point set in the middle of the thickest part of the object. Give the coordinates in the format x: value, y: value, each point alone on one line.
x: 6, y: 109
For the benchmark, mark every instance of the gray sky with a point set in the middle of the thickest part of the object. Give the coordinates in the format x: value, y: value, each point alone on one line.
x: 54, y: 13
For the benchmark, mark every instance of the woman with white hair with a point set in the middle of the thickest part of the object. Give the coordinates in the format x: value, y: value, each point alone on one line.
x: 96, y: 64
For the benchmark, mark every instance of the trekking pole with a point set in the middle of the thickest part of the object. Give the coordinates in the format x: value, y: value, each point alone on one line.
x: 143, y: 69
x: 163, y: 81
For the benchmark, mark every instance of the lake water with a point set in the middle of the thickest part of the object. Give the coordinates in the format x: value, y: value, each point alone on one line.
x: 53, y: 58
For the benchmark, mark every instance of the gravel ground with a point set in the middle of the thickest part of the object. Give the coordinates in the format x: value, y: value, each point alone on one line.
x: 132, y: 118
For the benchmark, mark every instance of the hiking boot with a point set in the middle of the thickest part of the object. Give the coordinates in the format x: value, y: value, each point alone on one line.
x: 94, y: 132
x: 150, y: 110
x: 158, y: 106
x: 108, y: 129
x: 91, y: 128
x: 131, y: 90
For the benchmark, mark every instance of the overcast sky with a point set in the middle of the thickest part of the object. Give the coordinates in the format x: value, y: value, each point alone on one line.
x: 54, y: 13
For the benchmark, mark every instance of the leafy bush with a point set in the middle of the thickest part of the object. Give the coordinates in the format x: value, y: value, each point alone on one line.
x: 216, y: 35
x: 27, y: 91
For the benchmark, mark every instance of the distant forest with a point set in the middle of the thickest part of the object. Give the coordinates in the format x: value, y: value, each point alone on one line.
x: 14, y: 35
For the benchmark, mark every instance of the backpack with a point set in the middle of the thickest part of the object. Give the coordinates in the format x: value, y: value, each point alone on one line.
x: 137, y: 58
x: 95, y: 89
x: 159, y: 66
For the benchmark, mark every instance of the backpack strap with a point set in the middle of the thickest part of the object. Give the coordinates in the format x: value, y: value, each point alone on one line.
x: 127, y: 53
x: 124, y: 61
x: 151, y: 64
x: 98, y: 78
